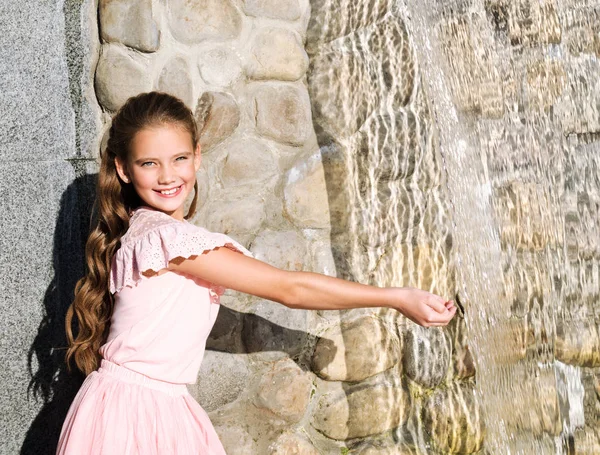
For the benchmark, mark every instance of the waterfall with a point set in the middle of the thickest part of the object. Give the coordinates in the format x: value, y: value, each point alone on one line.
x: 460, y: 144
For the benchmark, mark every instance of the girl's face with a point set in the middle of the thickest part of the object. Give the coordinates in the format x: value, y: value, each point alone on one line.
x: 162, y: 166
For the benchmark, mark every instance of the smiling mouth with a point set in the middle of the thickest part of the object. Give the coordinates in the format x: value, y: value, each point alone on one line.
x: 170, y: 192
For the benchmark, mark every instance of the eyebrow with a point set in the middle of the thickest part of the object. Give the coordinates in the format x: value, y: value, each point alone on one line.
x: 176, y: 155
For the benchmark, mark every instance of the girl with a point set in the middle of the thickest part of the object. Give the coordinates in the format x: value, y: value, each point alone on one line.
x: 151, y: 291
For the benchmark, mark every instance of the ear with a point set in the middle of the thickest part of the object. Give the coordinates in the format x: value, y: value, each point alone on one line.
x: 197, y: 157
x: 121, y: 170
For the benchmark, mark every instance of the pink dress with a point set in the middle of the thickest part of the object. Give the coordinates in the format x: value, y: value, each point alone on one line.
x: 137, y: 401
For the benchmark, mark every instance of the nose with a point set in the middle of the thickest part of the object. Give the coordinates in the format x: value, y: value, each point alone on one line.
x: 166, y: 175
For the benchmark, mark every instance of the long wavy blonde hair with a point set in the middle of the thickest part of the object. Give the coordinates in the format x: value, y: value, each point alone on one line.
x: 93, y: 304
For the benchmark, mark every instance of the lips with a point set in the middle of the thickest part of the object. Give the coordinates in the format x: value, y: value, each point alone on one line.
x: 170, y: 192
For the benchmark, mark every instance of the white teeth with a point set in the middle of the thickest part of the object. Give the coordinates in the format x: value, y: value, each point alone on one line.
x: 167, y: 192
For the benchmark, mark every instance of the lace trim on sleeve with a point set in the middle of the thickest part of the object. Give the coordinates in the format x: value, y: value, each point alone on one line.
x: 153, y: 250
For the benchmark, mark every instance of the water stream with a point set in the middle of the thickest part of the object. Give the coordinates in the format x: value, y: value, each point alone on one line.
x: 467, y: 135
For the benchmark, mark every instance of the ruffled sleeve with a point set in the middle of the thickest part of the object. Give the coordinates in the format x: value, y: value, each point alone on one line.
x: 153, y: 248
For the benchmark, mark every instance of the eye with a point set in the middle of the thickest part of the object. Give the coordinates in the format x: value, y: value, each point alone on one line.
x: 181, y: 158
x: 146, y: 162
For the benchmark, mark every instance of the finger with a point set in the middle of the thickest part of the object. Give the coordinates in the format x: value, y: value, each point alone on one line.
x: 442, y: 318
x: 437, y: 303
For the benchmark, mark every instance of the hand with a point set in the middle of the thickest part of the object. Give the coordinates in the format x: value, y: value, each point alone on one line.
x: 424, y: 308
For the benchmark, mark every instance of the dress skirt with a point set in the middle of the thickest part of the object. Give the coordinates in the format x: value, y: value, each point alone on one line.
x: 120, y: 411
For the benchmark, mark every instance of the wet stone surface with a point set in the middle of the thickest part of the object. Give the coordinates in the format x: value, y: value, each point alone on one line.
x: 578, y: 343
x: 452, y: 419
x: 384, y: 447
x: 426, y: 355
x: 360, y: 410
x: 356, y: 350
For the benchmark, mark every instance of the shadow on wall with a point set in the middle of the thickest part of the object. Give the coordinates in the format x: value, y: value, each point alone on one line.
x: 51, y: 383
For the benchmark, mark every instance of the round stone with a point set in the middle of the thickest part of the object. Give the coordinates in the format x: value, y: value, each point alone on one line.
x: 323, y: 260
x: 360, y: 411
x: 292, y: 444
x: 325, y: 27
x: 272, y: 327
x: 282, y: 112
x: 285, y: 391
x: 236, y: 440
x: 355, y: 351
x: 426, y: 355
x: 350, y: 79
x: 119, y: 75
x: 336, y: 165
x: 462, y: 359
x: 220, y: 66
x: 578, y: 343
x: 453, y: 420
x: 384, y: 447
x: 582, y: 40
x: 587, y: 441
x: 129, y: 23
x: 200, y: 20
x: 277, y: 53
x: 464, y: 365
x: 175, y: 79
x: 288, y: 10
x: 233, y: 213
x: 222, y: 378
x: 305, y: 193
x: 202, y: 179
x: 248, y: 161
x: 391, y: 144
x: 545, y: 83
x: 225, y: 336
x: 217, y: 115
x: 282, y: 249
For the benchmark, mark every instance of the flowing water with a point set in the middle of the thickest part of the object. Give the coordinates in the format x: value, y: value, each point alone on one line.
x: 460, y: 144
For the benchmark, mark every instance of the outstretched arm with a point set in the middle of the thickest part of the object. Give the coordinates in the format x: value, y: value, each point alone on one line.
x: 311, y: 291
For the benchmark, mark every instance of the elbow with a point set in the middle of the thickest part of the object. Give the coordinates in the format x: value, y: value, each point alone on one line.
x: 292, y: 290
